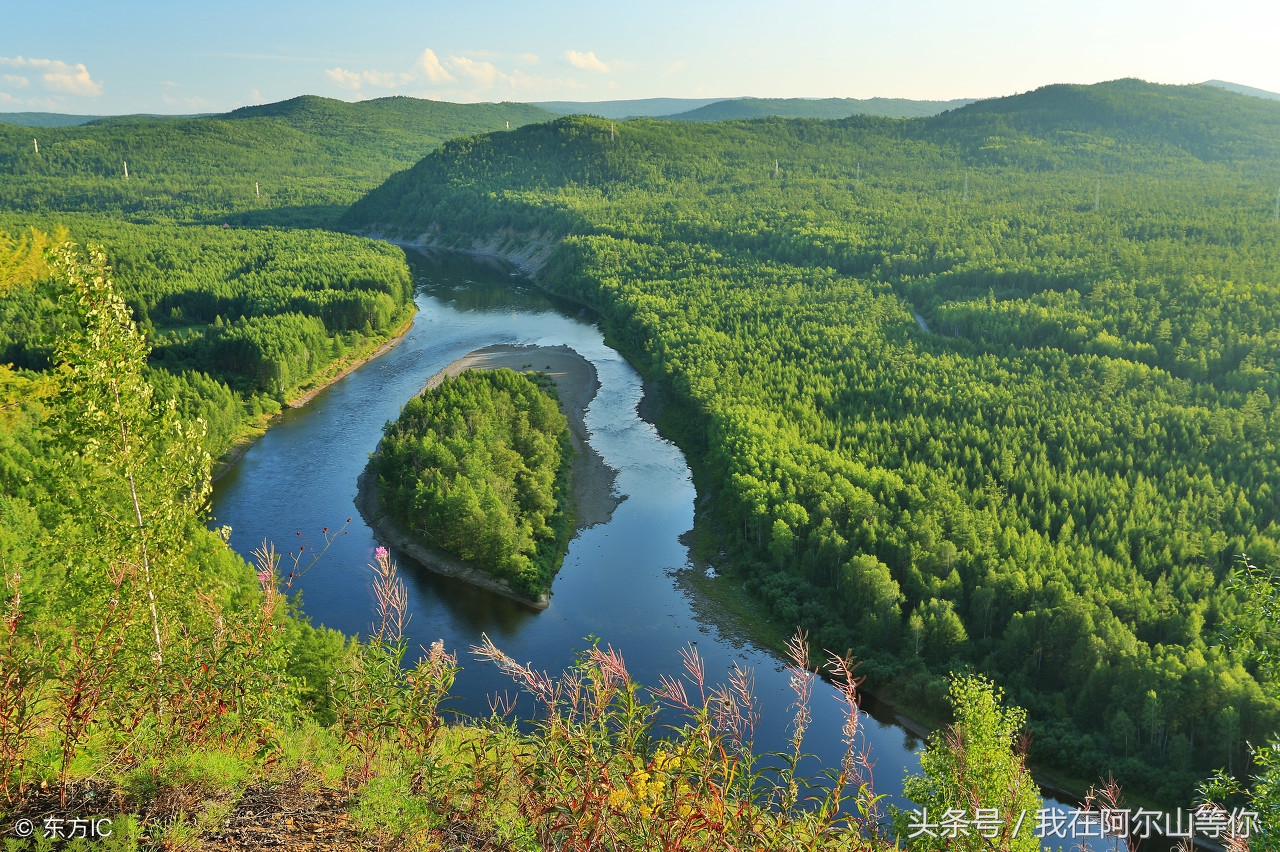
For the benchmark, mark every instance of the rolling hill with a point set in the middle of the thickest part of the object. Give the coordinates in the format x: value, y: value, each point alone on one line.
x: 299, y: 161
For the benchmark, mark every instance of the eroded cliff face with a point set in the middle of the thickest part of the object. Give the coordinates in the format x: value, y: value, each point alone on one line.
x: 528, y: 252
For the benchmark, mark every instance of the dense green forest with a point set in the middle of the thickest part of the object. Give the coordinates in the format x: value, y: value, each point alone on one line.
x: 238, y: 320
x: 1046, y: 475
x: 167, y: 695
x: 297, y: 162
x: 479, y: 467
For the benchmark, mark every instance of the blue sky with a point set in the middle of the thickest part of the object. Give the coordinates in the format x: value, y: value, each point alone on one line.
x: 142, y: 56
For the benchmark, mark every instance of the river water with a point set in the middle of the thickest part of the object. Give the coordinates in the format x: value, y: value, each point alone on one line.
x: 619, y: 579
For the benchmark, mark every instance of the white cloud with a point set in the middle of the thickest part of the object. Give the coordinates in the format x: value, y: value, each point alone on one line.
x: 359, y: 79
x: 16, y: 80
x: 5, y: 98
x: 431, y: 66
x: 462, y: 78
x: 675, y: 66
x: 343, y: 78
x: 586, y: 61
x: 483, y: 72
x: 58, y: 76
x: 75, y: 82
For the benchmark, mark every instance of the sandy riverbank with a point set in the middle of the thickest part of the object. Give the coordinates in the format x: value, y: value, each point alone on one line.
x: 592, y: 480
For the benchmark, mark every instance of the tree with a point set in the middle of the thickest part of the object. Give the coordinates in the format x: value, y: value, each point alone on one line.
x: 142, y: 474
x: 974, y: 772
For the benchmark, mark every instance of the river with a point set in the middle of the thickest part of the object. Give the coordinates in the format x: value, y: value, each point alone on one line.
x: 620, y: 579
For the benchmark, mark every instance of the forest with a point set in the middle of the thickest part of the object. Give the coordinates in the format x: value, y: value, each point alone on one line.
x: 478, y: 467
x: 993, y: 390
x: 239, y: 319
x: 295, y: 163
x: 988, y: 398
x: 170, y: 696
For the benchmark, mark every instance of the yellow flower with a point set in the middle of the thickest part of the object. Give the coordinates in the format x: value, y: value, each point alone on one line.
x: 618, y: 797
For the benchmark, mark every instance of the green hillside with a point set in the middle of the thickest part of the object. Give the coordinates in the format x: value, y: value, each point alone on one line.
x: 308, y: 157
x: 1204, y: 121
x: 738, y: 108
x: 1053, y: 483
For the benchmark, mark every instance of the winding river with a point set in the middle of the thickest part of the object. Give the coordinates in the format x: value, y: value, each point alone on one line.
x: 619, y: 580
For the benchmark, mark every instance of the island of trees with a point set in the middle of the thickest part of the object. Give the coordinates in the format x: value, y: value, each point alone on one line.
x: 478, y: 467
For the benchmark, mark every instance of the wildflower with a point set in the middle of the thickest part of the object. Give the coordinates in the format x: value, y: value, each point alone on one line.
x: 618, y: 797
x: 380, y: 553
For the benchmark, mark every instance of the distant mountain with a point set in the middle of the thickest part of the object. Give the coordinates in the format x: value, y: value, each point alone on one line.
x: 44, y: 119
x: 393, y: 123
x: 642, y: 107
x: 1205, y: 121
x: 737, y: 108
x: 1243, y: 90
x: 299, y: 160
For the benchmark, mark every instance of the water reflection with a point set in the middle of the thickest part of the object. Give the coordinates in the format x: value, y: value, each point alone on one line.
x: 617, y: 582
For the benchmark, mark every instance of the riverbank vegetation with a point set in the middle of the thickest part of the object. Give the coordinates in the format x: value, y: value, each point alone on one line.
x: 1052, y: 484
x: 239, y: 321
x: 1050, y: 487
x: 478, y: 467
x: 162, y: 693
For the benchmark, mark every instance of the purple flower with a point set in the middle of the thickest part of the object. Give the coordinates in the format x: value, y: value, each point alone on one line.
x: 381, y: 553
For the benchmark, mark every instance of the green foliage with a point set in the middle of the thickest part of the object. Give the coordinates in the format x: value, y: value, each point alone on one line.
x: 296, y: 162
x: 132, y: 632
x: 237, y: 320
x: 1054, y: 478
x: 973, y: 767
x: 478, y: 467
